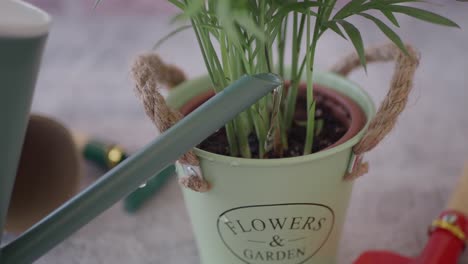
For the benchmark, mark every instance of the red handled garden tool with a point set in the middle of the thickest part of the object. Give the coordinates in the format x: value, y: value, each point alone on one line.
x: 448, y: 235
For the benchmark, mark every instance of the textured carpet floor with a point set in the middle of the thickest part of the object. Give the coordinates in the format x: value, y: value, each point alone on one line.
x: 85, y: 83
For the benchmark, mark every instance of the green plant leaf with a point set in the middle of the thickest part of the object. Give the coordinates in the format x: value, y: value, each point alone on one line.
x: 272, y: 36
x: 334, y: 26
x: 300, y: 7
x: 193, y: 7
x: 356, y: 38
x: 227, y: 22
x: 388, y: 32
x: 348, y: 9
x: 382, y: 5
x: 253, y: 7
x: 392, y: 2
x: 249, y: 25
x: 174, y: 2
x: 171, y: 34
x: 327, y: 10
x: 390, y: 17
x: 422, y: 15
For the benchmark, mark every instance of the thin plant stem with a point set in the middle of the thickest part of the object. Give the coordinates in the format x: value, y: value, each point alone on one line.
x: 242, y: 131
x: 218, y: 82
x: 309, y: 140
x: 281, y: 46
x: 263, y: 61
x: 260, y: 130
x: 292, y: 91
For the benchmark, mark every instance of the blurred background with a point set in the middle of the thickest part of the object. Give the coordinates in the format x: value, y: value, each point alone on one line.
x: 85, y: 83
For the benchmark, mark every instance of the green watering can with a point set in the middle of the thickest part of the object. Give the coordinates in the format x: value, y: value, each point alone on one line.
x: 23, y: 33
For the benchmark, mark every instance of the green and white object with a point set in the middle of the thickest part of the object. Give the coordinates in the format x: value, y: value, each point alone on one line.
x: 288, y: 211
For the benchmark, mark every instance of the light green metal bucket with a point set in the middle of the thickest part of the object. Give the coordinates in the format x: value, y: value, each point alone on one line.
x: 287, y: 211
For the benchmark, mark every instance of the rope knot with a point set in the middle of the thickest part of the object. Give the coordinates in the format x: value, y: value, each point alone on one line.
x: 150, y: 74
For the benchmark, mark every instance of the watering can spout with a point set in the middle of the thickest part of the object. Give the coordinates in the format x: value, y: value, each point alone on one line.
x: 139, y: 168
x: 269, y: 78
x: 23, y: 32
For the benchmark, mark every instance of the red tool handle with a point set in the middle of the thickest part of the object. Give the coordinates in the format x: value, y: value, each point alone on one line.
x: 449, y: 232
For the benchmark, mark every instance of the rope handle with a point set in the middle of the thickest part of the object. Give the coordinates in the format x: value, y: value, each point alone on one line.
x: 394, y: 102
x: 150, y: 74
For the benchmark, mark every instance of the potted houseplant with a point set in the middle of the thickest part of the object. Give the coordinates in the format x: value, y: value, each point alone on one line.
x: 277, y: 190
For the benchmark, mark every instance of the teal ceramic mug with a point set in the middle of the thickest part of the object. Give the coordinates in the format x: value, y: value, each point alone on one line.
x: 23, y: 33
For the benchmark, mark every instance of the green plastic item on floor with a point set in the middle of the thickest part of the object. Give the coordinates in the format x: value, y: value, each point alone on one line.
x: 137, y: 198
x: 107, y: 156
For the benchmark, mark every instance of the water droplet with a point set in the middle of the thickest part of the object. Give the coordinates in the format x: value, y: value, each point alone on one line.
x: 234, y: 164
x: 143, y: 185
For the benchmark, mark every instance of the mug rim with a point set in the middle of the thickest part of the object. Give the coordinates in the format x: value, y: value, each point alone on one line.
x: 23, y: 20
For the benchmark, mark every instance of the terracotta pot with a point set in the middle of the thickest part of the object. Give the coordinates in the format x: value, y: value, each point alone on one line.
x: 345, y: 110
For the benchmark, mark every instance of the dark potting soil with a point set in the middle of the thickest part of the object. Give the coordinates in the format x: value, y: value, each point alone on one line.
x: 333, y: 129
